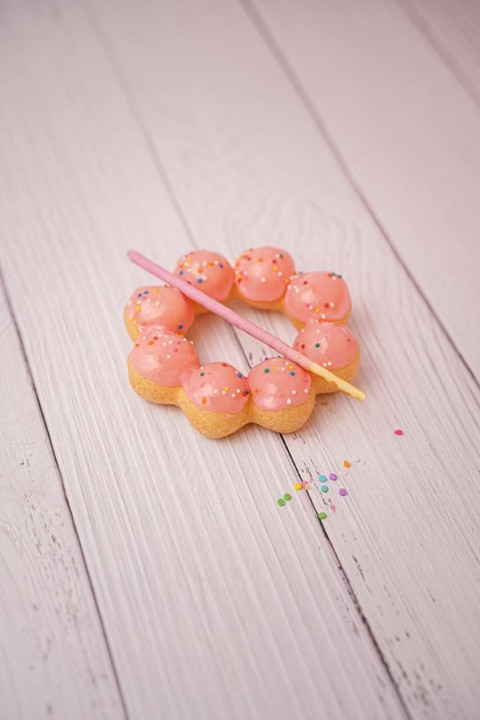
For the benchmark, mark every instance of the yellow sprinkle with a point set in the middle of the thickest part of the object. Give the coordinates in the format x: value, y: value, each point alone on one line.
x: 298, y: 486
x: 138, y: 307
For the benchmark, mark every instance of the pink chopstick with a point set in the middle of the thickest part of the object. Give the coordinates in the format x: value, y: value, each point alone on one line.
x: 238, y: 321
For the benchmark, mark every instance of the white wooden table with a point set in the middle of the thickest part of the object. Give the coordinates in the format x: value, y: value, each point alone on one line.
x: 146, y: 572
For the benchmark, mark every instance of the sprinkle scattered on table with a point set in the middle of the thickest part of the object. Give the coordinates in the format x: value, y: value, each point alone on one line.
x: 322, y: 481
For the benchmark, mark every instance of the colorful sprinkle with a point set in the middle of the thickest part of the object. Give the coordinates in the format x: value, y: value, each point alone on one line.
x: 342, y: 492
x: 347, y: 464
x: 286, y: 498
x: 322, y: 478
x: 298, y: 486
x: 398, y: 432
x: 324, y: 488
x: 332, y: 476
x: 322, y: 516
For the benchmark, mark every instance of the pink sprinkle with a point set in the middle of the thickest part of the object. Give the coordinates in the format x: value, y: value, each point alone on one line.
x: 342, y: 492
x: 332, y: 476
x: 398, y: 432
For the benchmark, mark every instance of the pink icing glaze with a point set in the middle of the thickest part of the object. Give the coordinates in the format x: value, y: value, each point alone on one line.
x: 337, y: 345
x: 218, y: 387
x: 164, y: 357
x: 279, y: 384
x: 153, y: 305
x: 262, y: 274
x: 208, y: 271
x: 317, y: 296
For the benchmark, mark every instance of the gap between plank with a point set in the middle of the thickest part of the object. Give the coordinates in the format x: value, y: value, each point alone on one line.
x: 265, y: 34
x: 439, y: 48
x: 160, y: 167
x: 62, y: 483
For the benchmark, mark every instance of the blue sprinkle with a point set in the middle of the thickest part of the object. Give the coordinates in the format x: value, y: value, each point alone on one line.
x: 199, y: 280
x: 239, y: 375
x: 180, y: 272
x: 139, y: 295
x: 180, y: 327
x: 292, y: 373
x: 322, y: 478
x: 146, y: 292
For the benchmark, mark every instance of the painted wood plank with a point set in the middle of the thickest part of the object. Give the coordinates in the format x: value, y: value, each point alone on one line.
x: 54, y: 661
x: 217, y: 603
x: 407, y: 132
x: 249, y: 166
x: 453, y: 29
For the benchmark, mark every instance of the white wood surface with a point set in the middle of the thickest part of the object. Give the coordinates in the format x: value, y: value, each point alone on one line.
x: 172, y: 126
x: 406, y: 130
x: 453, y: 30
x: 54, y: 661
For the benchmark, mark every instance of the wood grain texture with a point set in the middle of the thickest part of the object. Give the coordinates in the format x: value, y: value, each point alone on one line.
x: 248, y: 165
x: 453, y: 30
x: 216, y: 602
x: 54, y: 662
x: 405, y: 129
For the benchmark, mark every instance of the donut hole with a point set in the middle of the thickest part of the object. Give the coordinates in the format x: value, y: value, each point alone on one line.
x: 214, y: 341
x: 270, y: 320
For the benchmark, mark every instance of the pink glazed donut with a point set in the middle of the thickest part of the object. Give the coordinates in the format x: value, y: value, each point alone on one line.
x: 217, y: 398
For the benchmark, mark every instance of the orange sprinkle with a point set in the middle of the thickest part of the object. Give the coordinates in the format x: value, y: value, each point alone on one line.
x: 204, y: 400
x: 155, y: 289
x: 150, y: 342
x: 347, y: 464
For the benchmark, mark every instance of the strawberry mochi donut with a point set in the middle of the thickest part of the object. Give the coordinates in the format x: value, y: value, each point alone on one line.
x: 217, y: 398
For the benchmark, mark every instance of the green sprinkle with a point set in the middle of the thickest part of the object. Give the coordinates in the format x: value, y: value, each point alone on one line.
x: 321, y: 516
x: 324, y: 488
x: 281, y: 502
x: 201, y: 374
x: 317, y: 344
x: 287, y: 497
x: 266, y: 370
